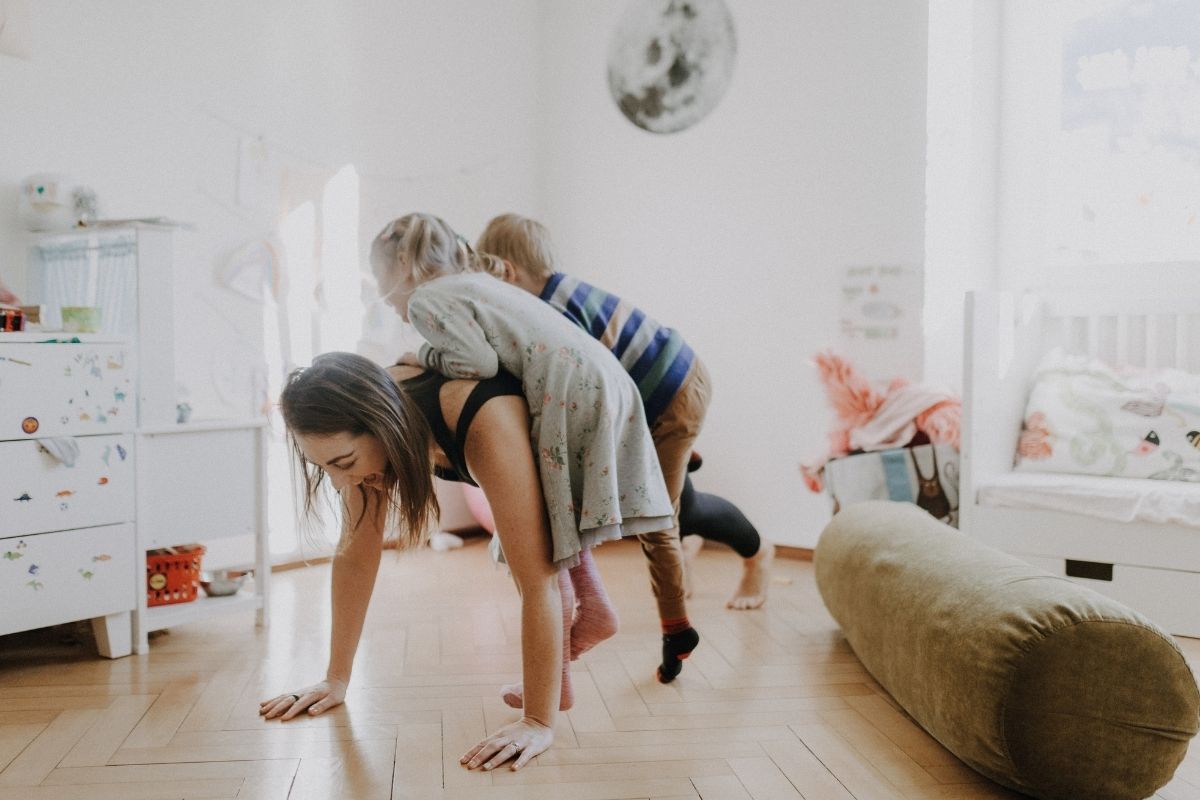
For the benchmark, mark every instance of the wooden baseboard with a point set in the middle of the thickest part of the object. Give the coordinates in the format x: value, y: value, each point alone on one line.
x: 798, y: 553
x: 305, y: 562
x: 388, y: 544
x: 781, y: 551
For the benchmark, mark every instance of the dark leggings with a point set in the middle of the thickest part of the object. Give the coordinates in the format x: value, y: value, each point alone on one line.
x: 716, y: 518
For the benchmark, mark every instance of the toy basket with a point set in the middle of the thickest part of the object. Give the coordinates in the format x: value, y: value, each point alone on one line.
x: 173, y: 574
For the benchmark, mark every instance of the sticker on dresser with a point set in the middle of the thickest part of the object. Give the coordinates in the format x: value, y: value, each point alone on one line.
x: 65, y: 482
x: 63, y: 575
x: 51, y: 389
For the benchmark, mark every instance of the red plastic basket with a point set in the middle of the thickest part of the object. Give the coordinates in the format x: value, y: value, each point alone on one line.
x: 173, y: 575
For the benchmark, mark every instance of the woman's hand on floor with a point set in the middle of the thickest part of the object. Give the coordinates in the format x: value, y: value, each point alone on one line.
x: 521, y: 740
x: 317, y: 698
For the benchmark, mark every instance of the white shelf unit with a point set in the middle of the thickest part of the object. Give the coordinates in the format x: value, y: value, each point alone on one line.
x: 198, y: 482
x: 195, y: 482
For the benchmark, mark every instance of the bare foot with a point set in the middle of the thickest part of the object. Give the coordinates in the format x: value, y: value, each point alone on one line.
x: 756, y: 576
x: 690, y: 545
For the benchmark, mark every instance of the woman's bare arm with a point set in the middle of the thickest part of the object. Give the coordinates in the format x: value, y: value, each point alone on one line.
x: 501, y: 462
x: 355, y: 566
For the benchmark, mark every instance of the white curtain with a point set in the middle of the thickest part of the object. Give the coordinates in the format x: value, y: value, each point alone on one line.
x: 89, y: 270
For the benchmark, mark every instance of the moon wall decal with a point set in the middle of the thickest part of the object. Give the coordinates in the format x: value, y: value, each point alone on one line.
x: 670, y: 62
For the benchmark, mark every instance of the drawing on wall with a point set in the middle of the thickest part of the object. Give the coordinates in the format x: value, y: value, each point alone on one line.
x: 1129, y: 145
x: 670, y: 62
x: 881, y: 319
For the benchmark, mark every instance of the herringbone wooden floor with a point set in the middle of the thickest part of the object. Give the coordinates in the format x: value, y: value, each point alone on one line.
x: 772, y: 705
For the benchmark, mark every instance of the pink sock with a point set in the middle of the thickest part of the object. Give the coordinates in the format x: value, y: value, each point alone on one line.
x: 597, y: 619
x: 513, y: 694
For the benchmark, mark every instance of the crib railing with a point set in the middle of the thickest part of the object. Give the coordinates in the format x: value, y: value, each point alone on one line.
x: 1144, y: 332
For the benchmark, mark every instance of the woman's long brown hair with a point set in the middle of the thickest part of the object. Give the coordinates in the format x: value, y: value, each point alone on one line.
x: 346, y: 393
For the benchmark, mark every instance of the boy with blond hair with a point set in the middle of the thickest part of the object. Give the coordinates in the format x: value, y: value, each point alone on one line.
x: 672, y: 381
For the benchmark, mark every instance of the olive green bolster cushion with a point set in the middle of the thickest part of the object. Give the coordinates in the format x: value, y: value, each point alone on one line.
x: 1034, y: 681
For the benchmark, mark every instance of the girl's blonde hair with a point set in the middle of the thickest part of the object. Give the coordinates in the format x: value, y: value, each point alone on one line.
x: 522, y: 242
x: 429, y: 247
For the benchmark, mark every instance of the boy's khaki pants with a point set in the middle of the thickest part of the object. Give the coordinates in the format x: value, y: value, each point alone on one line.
x: 674, y: 434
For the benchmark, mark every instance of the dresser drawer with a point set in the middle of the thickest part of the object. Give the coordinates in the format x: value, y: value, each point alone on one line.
x: 65, y: 389
x: 49, y: 578
x: 39, y: 493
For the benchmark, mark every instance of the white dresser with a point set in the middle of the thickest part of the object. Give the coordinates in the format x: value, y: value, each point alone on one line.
x: 73, y: 538
x: 68, y: 547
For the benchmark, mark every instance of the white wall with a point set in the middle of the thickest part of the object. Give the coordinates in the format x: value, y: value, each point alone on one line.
x: 737, y: 230
x: 962, y: 215
x: 146, y: 102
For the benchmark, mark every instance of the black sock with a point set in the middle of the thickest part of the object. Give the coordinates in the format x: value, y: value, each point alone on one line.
x: 676, y: 647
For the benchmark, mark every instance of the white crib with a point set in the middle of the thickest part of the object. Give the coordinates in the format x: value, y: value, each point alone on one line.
x: 1152, y: 567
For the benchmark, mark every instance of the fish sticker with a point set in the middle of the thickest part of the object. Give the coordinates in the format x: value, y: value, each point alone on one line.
x: 36, y: 585
x: 86, y: 573
x: 64, y: 493
x: 34, y: 569
x: 84, y: 416
x: 101, y: 557
x: 106, y: 454
x: 121, y: 452
x: 103, y: 481
x: 118, y: 395
x: 11, y: 555
x: 1193, y: 438
x: 24, y: 498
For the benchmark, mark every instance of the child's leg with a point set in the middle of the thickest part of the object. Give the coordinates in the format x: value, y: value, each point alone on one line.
x: 716, y: 518
x: 597, y: 618
x: 691, y: 546
x: 688, y: 541
x: 665, y: 559
x: 674, y: 433
x: 513, y: 694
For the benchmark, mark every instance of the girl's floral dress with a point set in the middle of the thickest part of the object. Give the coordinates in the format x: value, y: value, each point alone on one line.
x: 599, y: 470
